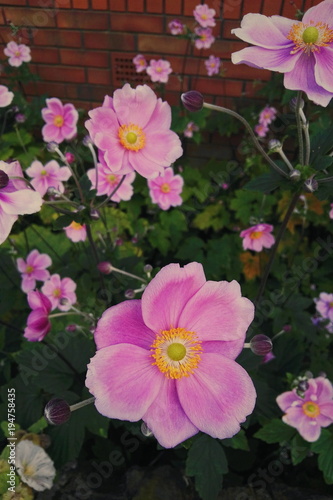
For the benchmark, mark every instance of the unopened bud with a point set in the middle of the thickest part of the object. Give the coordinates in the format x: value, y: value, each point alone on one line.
x: 303, y: 386
x: 63, y: 301
x: 145, y: 430
x: 192, y: 100
x: 52, y: 147
x: 261, y: 345
x: 104, y: 267
x: 94, y: 214
x: 274, y: 145
x: 119, y: 242
x: 20, y: 118
x: 4, y: 179
x: 130, y: 294
x: 51, y: 191
x: 295, y: 175
x: 70, y: 158
x: 87, y: 141
x: 71, y: 328
x: 148, y: 268
x: 293, y: 104
x: 311, y: 185
x: 57, y: 411
x: 287, y: 328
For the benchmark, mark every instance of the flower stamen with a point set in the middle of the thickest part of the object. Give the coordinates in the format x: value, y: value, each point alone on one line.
x: 311, y: 409
x: 309, y: 38
x: 132, y: 137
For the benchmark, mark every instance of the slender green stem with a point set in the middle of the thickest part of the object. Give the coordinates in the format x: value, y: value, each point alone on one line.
x: 95, y: 253
x: 22, y: 179
x: 252, y: 134
x: 63, y: 158
x: 46, y: 243
x: 93, y: 154
x: 81, y: 404
x: 283, y: 226
x: 299, y: 127
x: 113, y: 192
x: 20, y: 138
x: 60, y: 210
x: 285, y: 159
x: 130, y: 275
x: 328, y: 179
x: 307, y: 143
x: 56, y: 315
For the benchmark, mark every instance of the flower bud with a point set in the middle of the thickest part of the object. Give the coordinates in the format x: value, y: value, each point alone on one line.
x: 130, y: 294
x: 63, y: 301
x: 52, y: 147
x: 303, y: 386
x: 20, y: 118
x: 274, y: 145
x: 51, y: 191
x: 192, y: 100
x: 287, y: 328
x: 261, y: 345
x: 94, y: 214
x: 70, y: 158
x: 57, y: 411
x: 87, y: 141
x: 145, y: 430
x: 293, y: 103
x: 4, y: 179
x: 104, y: 267
x: 119, y: 242
x: 311, y: 185
x: 148, y: 268
x: 71, y: 328
x: 295, y: 175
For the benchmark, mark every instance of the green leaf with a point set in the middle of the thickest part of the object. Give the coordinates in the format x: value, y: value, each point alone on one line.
x: 299, y: 449
x: 206, y: 461
x: 324, y: 446
x: 275, y: 431
x: 191, y: 249
x: 265, y: 183
x: 38, y: 426
x: 65, y: 220
x: 321, y: 144
x: 323, y: 162
x: 214, y: 216
x: 237, y: 442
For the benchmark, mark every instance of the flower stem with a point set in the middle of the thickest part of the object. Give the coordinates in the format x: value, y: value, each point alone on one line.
x: 113, y: 192
x: 285, y: 221
x: 130, y: 275
x: 63, y: 158
x: 299, y: 127
x: 94, y: 157
x: 285, y: 159
x: 56, y: 315
x: 249, y: 129
x: 81, y: 404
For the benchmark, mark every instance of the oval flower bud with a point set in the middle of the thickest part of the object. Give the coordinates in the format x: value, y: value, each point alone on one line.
x: 104, y: 267
x: 57, y: 411
x: 261, y: 345
x: 192, y: 100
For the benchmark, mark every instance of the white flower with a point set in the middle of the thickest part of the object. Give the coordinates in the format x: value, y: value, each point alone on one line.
x: 34, y: 466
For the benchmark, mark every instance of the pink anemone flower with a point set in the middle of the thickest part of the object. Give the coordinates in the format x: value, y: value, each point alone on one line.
x: 60, y: 292
x: 108, y: 181
x: 205, y: 40
x: 213, y: 65
x: 76, y: 232
x: 159, y: 71
x: 204, y: 16
x: 261, y: 129
x: 6, y: 96
x: 38, y: 323
x: 190, y: 128
x: 61, y: 120
x: 48, y: 175
x: 302, y: 50
x: 140, y: 63
x: 267, y: 115
x: 165, y: 190
x: 17, y: 54
x: 258, y: 237
x: 169, y: 358
x: 33, y: 269
x: 324, y: 305
x: 132, y: 132
x: 176, y: 27
x: 308, y: 414
x: 15, y: 197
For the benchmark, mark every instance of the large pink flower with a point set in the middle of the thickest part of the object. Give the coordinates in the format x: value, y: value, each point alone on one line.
x: 169, y: 358
x: 301, y: 50
x: 324, y: 305
x: 159, y: 71
x: 108, y: 181
x: 38, y: 323
x: 308, y: 414
x: 33, y: 269
x: 61, y: 120
x: 165, y: 190
x: 17, y: 54
x: 60, y: 292
x: 15, y: 198
x: 258, y: 237
x: 48, y: 175
x: 132, y: 132
x: 6, y: 96
x: 204, y: 15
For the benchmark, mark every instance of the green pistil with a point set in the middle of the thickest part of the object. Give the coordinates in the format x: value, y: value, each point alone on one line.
x: 176, y: 351
x: 310, y: 35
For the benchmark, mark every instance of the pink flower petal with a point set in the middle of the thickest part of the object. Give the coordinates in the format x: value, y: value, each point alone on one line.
x: 309, y: 429
x: 123, y: 380
x: 230, y: 348
x: 262, y: 31
x: 134, y: 105
x: 218, y: 396
x: 55, y: 105
x: 28, y: 284
x: 288, y: 399
x: 275, y: 60
x: 319, y: 14
x: 25, y: 201
x: 21, y: 265
x: 145, y: 167
x: 323, y: 68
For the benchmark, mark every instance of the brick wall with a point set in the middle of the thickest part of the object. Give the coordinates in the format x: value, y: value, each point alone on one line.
x: 82, y: 49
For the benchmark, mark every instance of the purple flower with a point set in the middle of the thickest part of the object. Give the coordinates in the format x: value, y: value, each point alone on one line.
x: 303, y: 51
x: 213, y: 65
x: 176, y: 27
x: 48, y: 175
x: 33, y: 268
x: 140, y: 63
x: 38, y: 323
x: 17, y: 54
x: 165, y: 190
x: 6, y: 96
x: 258, y: 237
x: 205, y: 40
x: 309, y: 413
x: 61, y: 120
x: 324, y: 305
x: 57, y: 289
x: 204, y: 16
x: 159, y: 71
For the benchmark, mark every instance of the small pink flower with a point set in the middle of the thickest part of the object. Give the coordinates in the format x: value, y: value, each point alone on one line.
x: 33, y: 269
x: 48, y: 175
x: 224, y: 185
x: 258, y: 237
x: 17, y: 54
x: 261, y: 130
x: 331, y: 212
x: 140, y: 63
x: 61, y: 120
x: 324, y: 305
x: 204, y: 16
x: 267, y: 115
x: 170, y: 359
x: 70, y: 157
x: 38, y: 323
x: 205, y: 40
x: 6, y: 96
x: 268, y: 357
x: 190, y: 128
x: 132, y: 132
x: 176, y: 27
x: 165, y: 190
x: 108, y: 181
x: 159, y: 71
x: 308, y: 414
x: 213, y: 65
x: 57, y: 289
x: 15, y: 198
x: 76, y: 232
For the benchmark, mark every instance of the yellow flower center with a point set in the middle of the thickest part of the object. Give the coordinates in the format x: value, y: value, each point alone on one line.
x: 18, y: 53
x: 311, y: 409
x: 112, y: 179
x: 331, y: 304
x: 310, y: 38
x: 58, y: 121
x: 43, y: 172
x: 56, y: 292
x: 176, y: 352
x: 204, y: 17
x: 29, y: 470
x: 256, y: 235
x: 29, y: 269
x: 165, y: 188
x: 76, y: 225
x: 132, y: 137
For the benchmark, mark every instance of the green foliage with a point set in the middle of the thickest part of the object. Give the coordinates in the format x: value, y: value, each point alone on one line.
x: 275, y: 432
x: 324, y: 448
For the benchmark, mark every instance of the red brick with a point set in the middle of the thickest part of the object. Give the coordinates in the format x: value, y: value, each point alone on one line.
x: 219, y: 86
x: 161, y: 44
x: 228, y: 26
x: 189, y: 6
x: 132, y: 22
x: 252, y: 88
x: 173, y: 7
x: 244, y: 72
x: 100, y: 4
x: 173, y: 98
x: 48, y: 88
x: 16, y: 2
x: 232, y: 9
x: 272, y: 8
x: 99, y: 76
x: 118, y: 5
x: 80, y: 4
x: 84, y: 58
x: 61, y: 74
x: 45, y: 4
x: 224, y: 48
x: 63, y: 4
x: 58, y: 38
x: 109, y: 41
x: 253, y: 6
x: 82, y: 20
x: 45, y: 55
x: 154, y: 6
x: 135, y: 6
x: 37, y: 18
